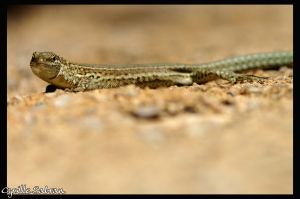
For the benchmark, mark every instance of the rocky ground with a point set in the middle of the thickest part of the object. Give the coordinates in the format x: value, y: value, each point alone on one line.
x: 210, y: 138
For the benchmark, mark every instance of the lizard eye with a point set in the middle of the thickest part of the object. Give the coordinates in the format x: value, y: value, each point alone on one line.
x: 53, y: 58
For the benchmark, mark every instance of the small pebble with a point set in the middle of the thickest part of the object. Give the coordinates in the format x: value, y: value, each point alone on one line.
x: 146, y: 112
x: 14, y: 100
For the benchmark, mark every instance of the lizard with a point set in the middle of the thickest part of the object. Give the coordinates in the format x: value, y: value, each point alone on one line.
x: 76, y: 77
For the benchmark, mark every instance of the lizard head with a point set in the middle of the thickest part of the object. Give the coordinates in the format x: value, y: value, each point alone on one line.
x: 46, y: 65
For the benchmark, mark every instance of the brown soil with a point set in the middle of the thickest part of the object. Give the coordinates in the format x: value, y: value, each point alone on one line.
x: 210, y: 138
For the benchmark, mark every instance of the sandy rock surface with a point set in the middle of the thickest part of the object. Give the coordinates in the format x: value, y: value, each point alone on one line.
x: 209, y: 138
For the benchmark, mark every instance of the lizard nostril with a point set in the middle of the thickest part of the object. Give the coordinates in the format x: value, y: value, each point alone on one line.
x: 35, y: 54
x: 33, y: 58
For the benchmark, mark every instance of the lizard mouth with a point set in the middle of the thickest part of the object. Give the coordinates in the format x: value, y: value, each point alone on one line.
x: 43, y: 71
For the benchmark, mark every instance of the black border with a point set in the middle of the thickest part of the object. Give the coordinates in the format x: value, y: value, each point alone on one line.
x: 3, y: 109
x: 168, y: 2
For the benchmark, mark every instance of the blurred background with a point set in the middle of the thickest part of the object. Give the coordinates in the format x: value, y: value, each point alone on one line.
x: 140, y: 34
x: 87, y: 143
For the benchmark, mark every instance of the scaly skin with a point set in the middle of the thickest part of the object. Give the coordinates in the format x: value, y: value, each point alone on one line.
x: 81, y: 77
